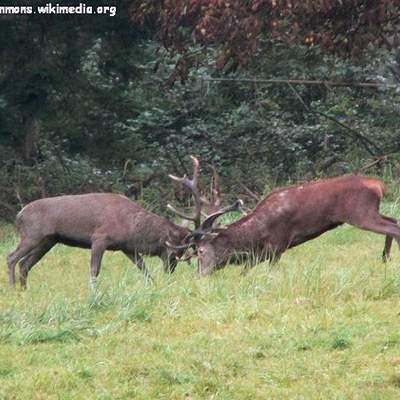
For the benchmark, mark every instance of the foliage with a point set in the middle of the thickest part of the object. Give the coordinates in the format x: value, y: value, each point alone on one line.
x: 89, y: 107
x: 240, y: 28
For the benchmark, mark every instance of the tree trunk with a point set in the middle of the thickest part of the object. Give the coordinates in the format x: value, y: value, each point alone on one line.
x: 30, y: 144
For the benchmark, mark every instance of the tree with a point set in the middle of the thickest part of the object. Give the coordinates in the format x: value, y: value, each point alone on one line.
x: 84, y: 104
x: 240, y: 28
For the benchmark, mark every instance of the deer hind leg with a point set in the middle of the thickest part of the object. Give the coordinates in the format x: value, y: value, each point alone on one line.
x: 386, y: 249
x: 24, y: 248
x: 388, y: 241
x: 26, y: 264
x: 138, y: 260
x: 383, y: 225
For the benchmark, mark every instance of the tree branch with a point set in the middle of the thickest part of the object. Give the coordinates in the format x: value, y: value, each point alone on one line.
x: 375, y: 162
x: 366, y: 142
x: 304, y: 82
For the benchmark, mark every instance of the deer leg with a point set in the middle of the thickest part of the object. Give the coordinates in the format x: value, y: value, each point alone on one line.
x: 141, y: 265
x: 170, y: 266
x: 138, y: 260
x: 383, y: 225
x: 247, y: 266
x: 251, y: 258
x: 24, y: 248
x: 386, y: 249
x: 169, y: 262
x: 274, y: 256
x: 98, y: 249
x: 388, y: 241
x: 26, y: 264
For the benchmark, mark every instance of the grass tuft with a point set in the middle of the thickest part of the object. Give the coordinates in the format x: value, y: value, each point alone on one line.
x: 341, y: 340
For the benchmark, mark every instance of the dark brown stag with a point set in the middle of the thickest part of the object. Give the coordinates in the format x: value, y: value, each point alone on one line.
x: 293, y: 215
x: 100, y: 222
x: 97, y: 221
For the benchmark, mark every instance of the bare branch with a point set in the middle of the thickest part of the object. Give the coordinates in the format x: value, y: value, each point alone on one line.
x: 305, y: 82
x: 250, y: 193
x: 375, y: 162
x: 348, y: 131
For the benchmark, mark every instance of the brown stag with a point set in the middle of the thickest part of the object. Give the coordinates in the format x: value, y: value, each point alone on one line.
x: 293, y: 215
x: 96, y: 221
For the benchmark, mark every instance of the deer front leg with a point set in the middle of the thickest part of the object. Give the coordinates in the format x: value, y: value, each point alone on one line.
x: 246, y: 268
x: 248, y: 261
x: 275, y: 257
x: 138, y: 260
x: 99, y: 246
x: 169, y: 261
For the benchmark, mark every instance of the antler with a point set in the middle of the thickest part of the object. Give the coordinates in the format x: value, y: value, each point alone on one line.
x: 207, y: 224
x: 213, y: 203
x: 216, y: 196
x: 192, y: 184
x: 206, y: 229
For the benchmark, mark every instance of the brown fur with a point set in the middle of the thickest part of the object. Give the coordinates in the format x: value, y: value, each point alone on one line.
x: 293, y: 215
x: 99, y: 221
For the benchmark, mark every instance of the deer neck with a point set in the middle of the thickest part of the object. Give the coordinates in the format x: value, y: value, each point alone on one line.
x: 177, y: 232
x: 244, y: 233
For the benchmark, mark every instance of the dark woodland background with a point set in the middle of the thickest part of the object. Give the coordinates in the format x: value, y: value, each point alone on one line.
x: 100, y: 103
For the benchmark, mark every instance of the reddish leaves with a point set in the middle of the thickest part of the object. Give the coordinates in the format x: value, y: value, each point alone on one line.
x: 344, y: 27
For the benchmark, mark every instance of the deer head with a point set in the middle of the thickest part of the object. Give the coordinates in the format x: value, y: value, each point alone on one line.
x: 204, y: 231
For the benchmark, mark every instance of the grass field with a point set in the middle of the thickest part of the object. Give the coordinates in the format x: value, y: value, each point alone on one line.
x: 322, y: 324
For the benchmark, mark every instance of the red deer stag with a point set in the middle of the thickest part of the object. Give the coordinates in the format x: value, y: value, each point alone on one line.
x: 293, y: 215
x: 97, y: 221
x: 100, y: 222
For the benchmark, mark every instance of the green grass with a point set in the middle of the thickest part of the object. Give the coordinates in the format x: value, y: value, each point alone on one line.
x: 324, y: 323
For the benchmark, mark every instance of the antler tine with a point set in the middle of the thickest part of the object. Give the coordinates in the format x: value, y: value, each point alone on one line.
x: 196, y: 192
x: 179, y: 213
x: 206, y: 227
x: 216, y: 197
x: 196, y: 169
x: 192, y: 184
x: 184, y: 180
x: 208, y: 222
